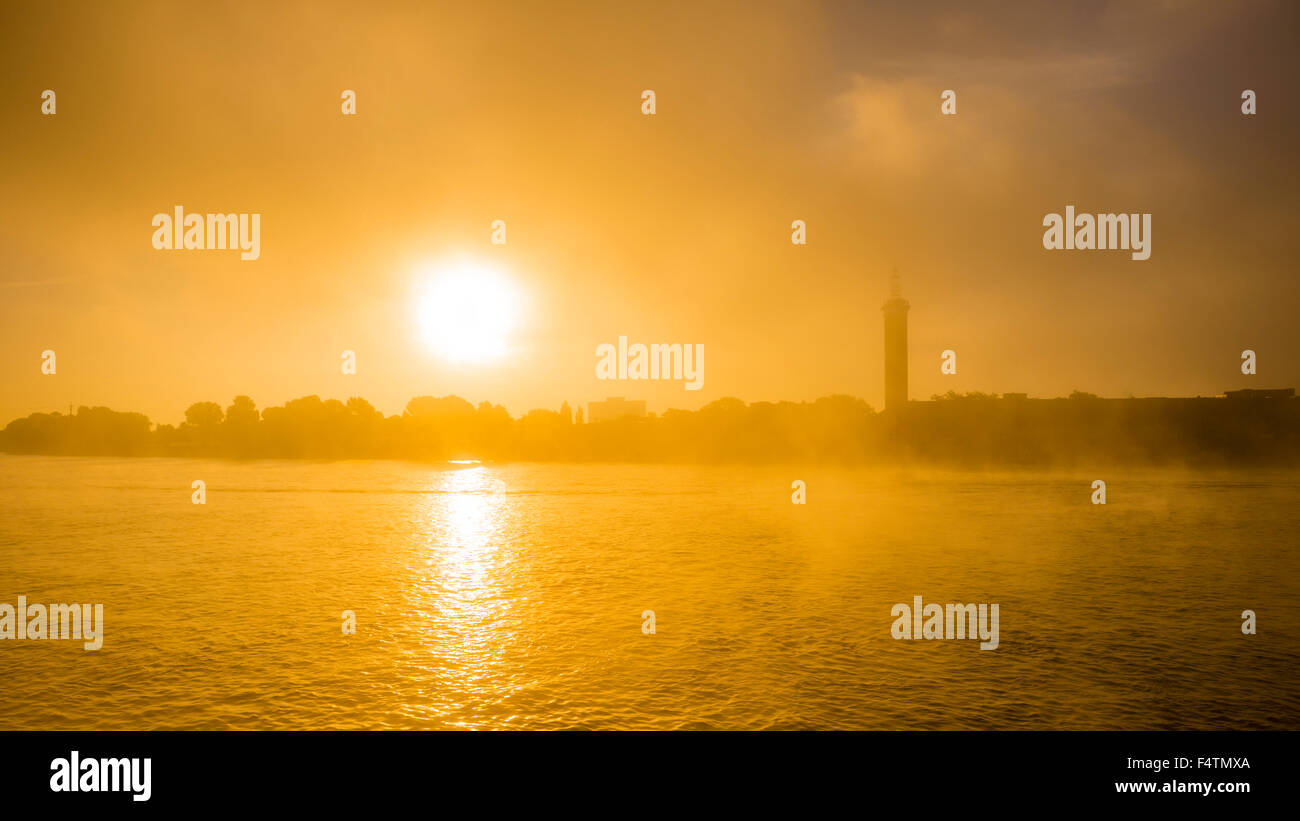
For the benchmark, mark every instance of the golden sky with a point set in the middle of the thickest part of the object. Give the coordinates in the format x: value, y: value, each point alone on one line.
x: 666, y: 228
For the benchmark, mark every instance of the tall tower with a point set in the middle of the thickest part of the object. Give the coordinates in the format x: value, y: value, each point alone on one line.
x: 895, y: 309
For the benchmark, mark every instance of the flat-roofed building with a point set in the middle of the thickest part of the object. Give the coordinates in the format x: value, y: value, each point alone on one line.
x: 614, y: 407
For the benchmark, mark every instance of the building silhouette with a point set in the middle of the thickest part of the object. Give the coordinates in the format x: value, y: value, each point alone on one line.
x: 614, y: 407
x: 1265, y: 393
x: 895, y: 310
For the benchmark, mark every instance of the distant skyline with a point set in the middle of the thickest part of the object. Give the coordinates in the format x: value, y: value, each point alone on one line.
x: 674, y: 226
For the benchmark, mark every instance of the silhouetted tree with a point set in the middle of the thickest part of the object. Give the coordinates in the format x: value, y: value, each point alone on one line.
x: 968, y: 429
x: 204, y: 414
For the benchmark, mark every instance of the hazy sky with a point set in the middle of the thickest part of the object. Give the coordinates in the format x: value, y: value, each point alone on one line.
x: 666, y: 228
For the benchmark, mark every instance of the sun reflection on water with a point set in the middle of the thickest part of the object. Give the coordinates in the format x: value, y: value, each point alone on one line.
x: 462, y: 590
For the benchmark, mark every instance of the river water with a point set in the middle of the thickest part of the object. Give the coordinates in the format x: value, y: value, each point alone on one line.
x: 513, y: 596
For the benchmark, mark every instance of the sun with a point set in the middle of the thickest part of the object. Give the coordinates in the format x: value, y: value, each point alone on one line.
x: 466, y: 311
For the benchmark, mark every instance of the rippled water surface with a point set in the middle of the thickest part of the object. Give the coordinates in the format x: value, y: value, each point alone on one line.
x: 512, y: 597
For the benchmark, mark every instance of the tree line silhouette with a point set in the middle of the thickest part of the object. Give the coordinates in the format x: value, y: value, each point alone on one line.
x: 971, y: 429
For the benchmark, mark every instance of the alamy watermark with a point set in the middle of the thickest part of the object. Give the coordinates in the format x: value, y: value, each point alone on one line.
x: 952, y: 621
x: 218, y: 232
x: 638, y: 361
x: 1103, y: 232
x: 76, y: 774
x: 57, y: 621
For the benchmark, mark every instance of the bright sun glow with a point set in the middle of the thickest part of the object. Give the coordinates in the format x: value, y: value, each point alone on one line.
x: 466, y: 311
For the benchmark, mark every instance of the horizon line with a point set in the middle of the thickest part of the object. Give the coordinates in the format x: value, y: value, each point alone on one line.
x: 1014, y: 396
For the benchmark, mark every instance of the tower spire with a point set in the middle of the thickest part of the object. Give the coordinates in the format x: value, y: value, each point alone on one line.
x: 895, y: 309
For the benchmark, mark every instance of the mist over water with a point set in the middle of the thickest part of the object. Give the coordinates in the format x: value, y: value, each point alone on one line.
x: 511, y: 596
